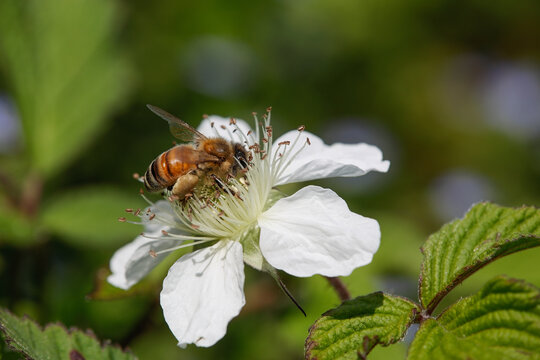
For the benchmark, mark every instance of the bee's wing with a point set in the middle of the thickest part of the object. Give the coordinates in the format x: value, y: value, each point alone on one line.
x: 180, y: 129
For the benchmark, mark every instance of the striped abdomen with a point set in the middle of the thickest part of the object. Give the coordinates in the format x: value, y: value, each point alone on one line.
x: 170, y: 165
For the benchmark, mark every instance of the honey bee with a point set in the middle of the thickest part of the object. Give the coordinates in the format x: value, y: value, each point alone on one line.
x: 181, y: 168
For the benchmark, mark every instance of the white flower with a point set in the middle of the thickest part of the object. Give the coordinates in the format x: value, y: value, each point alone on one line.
x: 310, y: 232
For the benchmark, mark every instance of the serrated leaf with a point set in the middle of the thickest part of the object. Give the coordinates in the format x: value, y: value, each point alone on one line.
x: 356, y: 326
x: 55, y: 342
x: 88, y: 217
x: 502, y: 321
x: 460, y: 248
x: 65, y: 71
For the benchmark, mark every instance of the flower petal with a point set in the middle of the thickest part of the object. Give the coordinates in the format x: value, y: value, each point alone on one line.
x: 203, y: 292
x: 132, y: 262
x: 314, y: 232
x: 318, y: 160
x: 219, y: 126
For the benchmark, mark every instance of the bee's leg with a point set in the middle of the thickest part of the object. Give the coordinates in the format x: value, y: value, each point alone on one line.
x: 184, y: 184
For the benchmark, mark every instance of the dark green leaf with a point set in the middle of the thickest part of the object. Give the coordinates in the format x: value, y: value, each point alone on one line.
x: 356, y: 326
x: 15, y: 228
x: 501, y: 322
x: 460, y: 248
x: 55, y: 342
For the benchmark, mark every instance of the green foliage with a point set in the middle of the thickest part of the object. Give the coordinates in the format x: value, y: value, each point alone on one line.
x: 65, y: 74
x: 55, y: 341
x: 462, y: 247
x: 502, y: 321
x: 14, y: 226
x: 356, y: 326
x: 88, y: 217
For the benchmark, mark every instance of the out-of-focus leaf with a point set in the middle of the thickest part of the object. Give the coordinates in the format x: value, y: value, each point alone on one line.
x: 65, y: 72
x: 501, y: 322
x: 55, y: 341
x: 88, y: 217
x: 358, y: 325
x: 460, y: 248
x: 15, y: 228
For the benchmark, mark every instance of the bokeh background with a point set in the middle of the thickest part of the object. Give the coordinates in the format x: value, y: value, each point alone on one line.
x: 449, y: 90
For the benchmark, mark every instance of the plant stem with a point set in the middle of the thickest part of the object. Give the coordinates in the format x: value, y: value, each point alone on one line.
x: 339, y: 287
x: 31, y: 195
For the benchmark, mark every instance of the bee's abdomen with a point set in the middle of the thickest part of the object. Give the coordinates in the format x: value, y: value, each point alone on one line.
x: 166, y: 168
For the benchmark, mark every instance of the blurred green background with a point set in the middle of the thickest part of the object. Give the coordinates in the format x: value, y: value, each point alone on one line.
x: 449, y: 90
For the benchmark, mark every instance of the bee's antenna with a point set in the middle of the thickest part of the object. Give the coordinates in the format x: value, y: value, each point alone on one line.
x: 287, y: 292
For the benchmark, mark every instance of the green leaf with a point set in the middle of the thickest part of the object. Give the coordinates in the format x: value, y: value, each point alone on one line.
x: 88, y: 217
x: 54, y: 342
x: 65, y: 72
x: 15, y: 228
x: 356, y: 326
x: 486, y: 233
x: 502, y: 321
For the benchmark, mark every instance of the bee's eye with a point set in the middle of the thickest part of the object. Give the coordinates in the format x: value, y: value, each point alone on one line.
x: 240, y: 155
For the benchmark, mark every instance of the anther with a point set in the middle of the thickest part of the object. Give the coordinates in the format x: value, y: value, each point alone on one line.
x: 173, y: 198
x: 137, y: 212
x: 164, y: 232
x: 264, y: 156
x: 129, y: 210
x: 136, y: 176
x: 151, y: 217
x: 308, y: 142
x: 264, y: 140
x: 122, y: 219
x: 195, y: 226
x: 152, y: 253
x: 223, y: 127
x: 284, y: 143
x: 232, y: 121
x: 141, y: 191
x: 254, y: 113
x: 205, y: 116
x: 249, y: 132
x: 268, y: 109
x: 212, y: 124
x: 301, y: 128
